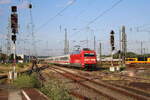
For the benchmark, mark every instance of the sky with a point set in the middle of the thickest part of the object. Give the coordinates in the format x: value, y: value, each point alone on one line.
x: 83, y: 20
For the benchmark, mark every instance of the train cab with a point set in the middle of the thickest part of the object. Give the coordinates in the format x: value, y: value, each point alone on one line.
x: 84, y: 58
x: 88, y: 58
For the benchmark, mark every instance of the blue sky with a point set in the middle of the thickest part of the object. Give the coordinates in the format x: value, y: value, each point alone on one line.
x: 131, y: 13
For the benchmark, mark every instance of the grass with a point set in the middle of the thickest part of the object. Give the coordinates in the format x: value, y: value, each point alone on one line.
x: 20, y: 65
x: 27, y: 81
x: 6, y: 65
x: 56, y: 90
x: 4, y: 68
x: 111, y: 78
x: 3, y: 81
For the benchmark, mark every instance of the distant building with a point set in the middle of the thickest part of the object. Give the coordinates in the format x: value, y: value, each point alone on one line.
x: 106, y: 59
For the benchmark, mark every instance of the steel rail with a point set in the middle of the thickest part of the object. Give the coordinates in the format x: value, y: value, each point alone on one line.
x: 138, y: 97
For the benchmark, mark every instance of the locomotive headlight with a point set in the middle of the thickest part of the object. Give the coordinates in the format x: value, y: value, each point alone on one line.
x: 86, y: 59
x: 89, y: 59
x: 92, y: 59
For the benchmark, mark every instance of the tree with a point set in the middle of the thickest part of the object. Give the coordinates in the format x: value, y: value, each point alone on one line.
x: 3, y: 57
x: 128, y: 55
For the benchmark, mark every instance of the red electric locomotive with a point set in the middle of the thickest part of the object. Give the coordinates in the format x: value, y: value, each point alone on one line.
x: 85, y: 58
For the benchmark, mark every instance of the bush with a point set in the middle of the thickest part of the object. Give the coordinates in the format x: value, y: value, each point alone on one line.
x: 21, y: 65
x: 56, y: 90
x: 26, y: 81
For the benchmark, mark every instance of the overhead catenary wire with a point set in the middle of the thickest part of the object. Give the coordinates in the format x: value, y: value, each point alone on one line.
x: 100, y: 15
x: 52, y: 18
x: 85, y: 10
x: 104, y: 12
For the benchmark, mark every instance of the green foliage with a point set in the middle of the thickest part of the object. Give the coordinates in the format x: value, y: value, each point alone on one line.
x: 6, y: 65
x: 19, y: 58
x: 26, y: 81
x: 11, y: 57
x: 131, y: 54
x: 3, y: 57
x: 21, y: 65
x: 56, y: 90
x: 3, y: 81
x: 128, y: 55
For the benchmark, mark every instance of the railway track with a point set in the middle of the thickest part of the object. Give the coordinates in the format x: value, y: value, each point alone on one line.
x: 138, y: 83
x: 75, y: 94
x: 79, y: 81
x: 115, y: 92
x: 135, y: 89
x: 115, y: 74
x: 125, y: 92
x: 128, y: 76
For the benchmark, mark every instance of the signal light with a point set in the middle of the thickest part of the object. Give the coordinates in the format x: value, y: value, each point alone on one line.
x: 30, y: 6
x: 119, y: 51
x: 14, y: 30
x: 112, y: 40
x: 14, y: 8
x: 14, y: 20
x: 14, y: 23
x: 113, y: 48
x: 112, y: 32
x: 13, y: 37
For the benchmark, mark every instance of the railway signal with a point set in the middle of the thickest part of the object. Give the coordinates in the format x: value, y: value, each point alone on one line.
x: 14, y: 29
x: 13, y: 9
x: 112, y: 40
x: 30, y: 6
x: 13, y: 38
x: 112, y: 48
x: 14, y: 23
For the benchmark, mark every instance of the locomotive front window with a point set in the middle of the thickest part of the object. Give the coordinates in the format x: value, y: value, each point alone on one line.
x: 89, y: 55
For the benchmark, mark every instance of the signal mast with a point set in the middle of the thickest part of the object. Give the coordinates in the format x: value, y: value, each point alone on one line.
x: 14, y: 29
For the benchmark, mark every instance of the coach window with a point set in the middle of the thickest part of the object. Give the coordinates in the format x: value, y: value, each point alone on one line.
x: 64, y: 58
x: 131, y: 59
x: 142, y: 59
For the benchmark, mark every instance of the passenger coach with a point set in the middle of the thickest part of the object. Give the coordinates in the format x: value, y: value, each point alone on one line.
x: 85, y: 58
x: 138, y: 60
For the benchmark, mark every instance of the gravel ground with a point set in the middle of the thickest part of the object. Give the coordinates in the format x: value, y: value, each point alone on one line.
x: 85, y: 91
x: 75, y: 87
